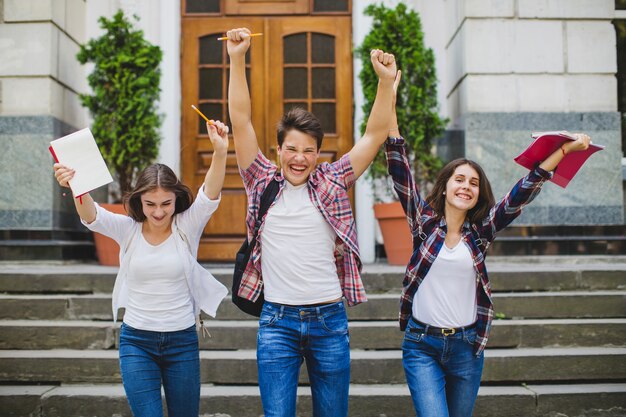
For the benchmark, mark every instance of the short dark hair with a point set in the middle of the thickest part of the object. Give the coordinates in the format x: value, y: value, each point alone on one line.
x: 153, y: 177
x: 304, y: 121
x: 437, y: 200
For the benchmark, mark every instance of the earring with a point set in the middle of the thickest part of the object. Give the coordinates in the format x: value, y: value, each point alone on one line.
x: 444, y: 193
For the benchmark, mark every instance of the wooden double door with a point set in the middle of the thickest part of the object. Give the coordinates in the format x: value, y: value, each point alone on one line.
x: 303, y: 61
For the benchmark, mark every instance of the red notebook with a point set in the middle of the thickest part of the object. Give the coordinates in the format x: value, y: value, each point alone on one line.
x: 545, y: 144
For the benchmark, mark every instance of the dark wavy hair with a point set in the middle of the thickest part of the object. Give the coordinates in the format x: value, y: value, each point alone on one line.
x: 303, y: 121
x: 153, y: 177
x: 437, y: 200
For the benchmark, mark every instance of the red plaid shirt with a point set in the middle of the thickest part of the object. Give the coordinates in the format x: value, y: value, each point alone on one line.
x: 423, y: 222
x: 328, y: 189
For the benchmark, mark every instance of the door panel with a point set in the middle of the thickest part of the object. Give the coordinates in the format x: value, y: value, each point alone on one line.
x: 204, y: 73
x: 248, y: 7
x: 311, y: 62
x: 299, y: 61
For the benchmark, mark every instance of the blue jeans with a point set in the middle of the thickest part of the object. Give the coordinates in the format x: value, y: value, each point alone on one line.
x: 288, y: 335
x: 442, y: 372
x: 147, y: 358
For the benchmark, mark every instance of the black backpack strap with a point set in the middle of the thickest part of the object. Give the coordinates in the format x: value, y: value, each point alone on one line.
x: 269, y: 194
x: 243, y: 255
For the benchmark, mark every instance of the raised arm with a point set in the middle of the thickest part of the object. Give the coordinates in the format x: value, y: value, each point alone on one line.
x: 214, y: 179
x: 239, y: 106
x: 527, y: 188
x: 580, y: 144
x: 394, y: 130
x: 378, y: 123
x: 400, y: 170
x: 85, y: 206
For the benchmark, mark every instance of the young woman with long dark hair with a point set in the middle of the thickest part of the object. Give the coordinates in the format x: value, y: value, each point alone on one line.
x: 160, y: 283
x: 446, y: 308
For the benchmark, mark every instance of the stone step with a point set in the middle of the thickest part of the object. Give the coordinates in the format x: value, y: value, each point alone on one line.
x: 50, y: 249
x: 365, y: 401
x: 507, y: 275
x: 561, y: 304
x: 51, y: 245
x: 502, y: 366
x: 370, y: 335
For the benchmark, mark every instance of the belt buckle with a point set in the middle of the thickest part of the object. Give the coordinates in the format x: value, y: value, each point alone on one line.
x: 448, y: 332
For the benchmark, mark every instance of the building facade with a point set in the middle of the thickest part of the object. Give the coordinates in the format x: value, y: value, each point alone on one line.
x: 506, y: 68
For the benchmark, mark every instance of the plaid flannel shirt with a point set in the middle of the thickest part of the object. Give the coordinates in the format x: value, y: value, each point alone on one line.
x: 430, y: 233
x: 328, y: 189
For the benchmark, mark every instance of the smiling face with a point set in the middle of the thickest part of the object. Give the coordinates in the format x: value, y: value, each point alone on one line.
x: 158, y: 206
x: 298, y: 156
x: 462, y: 189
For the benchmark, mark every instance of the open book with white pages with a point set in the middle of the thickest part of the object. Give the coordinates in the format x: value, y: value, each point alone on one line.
x: 80, y: 152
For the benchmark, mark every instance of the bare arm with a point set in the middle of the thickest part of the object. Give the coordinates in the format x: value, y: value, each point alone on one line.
x: 239, y: 106
x: 363, y: 153
x: 580, y: 144
x: 394, y: 130
x: 85, y: 206
x: 214, y: 179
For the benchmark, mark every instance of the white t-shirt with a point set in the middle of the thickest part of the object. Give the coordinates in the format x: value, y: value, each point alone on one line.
x: 158, y: 295
x: 447, y: 295
x: 297, y: 247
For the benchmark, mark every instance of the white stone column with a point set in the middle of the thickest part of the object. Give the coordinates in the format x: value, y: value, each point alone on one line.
x: 517, y: 66
x: 40, y: 80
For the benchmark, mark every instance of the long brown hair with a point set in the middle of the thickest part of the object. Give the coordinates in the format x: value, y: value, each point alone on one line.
x: 153, y: 177
x: 437, y: 199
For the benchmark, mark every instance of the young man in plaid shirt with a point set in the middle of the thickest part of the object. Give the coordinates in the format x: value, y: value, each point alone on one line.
x: 307, y: 258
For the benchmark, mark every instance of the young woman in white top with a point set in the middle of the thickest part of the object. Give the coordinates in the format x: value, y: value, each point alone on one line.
x: 160, y: 283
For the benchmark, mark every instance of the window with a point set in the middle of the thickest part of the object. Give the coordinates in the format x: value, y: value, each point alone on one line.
x: 202, y: 6
x: 309, y: 76
x: 213, y: 79
x: 331, y: 6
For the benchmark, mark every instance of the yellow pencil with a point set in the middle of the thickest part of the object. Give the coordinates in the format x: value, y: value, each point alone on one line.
x: 200, y: 113
x: 223, y: 38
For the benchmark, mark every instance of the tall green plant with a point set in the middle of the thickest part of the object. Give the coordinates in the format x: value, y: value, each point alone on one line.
x: 399, y: 31
x: 125, y: 86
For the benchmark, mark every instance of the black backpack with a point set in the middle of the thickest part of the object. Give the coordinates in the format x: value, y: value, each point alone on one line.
x: 243, y: 255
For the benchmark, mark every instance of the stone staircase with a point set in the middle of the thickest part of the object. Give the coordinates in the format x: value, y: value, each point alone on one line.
x: 558, y: 349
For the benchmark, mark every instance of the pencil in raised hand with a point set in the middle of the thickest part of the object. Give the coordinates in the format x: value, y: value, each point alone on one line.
x: 200, y: 113
x: 223, y: 38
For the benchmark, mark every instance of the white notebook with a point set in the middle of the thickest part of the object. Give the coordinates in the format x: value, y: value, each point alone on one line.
x: 79, y: 152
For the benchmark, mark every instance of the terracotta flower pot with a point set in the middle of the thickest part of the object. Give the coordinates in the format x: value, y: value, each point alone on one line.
x: 107, y: 249
x: 395, y: 230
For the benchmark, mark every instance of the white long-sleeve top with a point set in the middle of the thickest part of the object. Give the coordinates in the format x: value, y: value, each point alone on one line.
x: 206, y: 292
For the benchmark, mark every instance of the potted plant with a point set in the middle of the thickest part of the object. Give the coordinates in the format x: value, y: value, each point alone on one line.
x: 399, y: 31
x: 125, y: 89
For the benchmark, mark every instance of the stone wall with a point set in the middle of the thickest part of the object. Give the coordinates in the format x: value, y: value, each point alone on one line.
x: 519, y: 66
x: 40, y: 80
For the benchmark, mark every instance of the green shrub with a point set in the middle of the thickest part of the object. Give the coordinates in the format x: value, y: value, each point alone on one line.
x: 399, y: 31
x: 125, y: 86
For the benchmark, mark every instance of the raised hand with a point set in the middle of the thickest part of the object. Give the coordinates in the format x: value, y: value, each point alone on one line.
x: 580, y: 144
x: 384, y: 64
x: 238, y: 41
x: 218, y: 134
x: 63, y: 174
